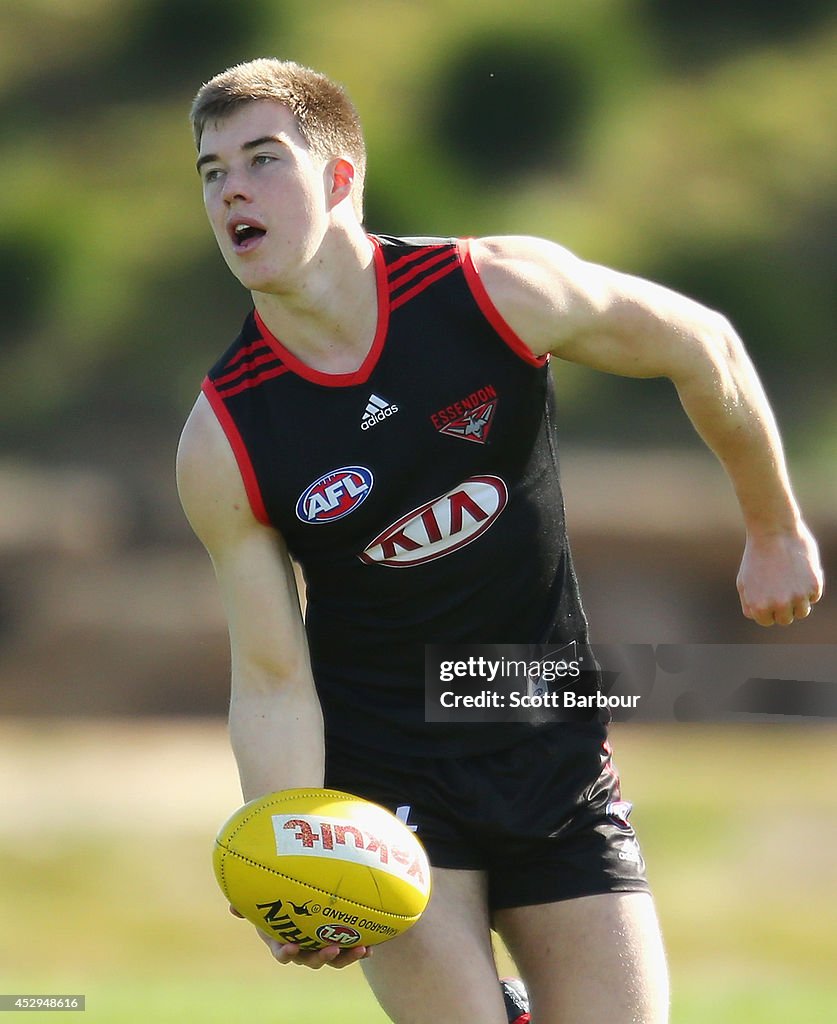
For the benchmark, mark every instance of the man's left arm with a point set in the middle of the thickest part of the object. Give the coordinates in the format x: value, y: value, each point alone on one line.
x: 621, y: 324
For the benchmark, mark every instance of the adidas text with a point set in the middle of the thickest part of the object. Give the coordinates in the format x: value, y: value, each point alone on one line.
x: 377, y: 410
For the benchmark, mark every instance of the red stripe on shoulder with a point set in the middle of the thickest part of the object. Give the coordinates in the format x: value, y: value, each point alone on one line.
x: 246, y: 367
x: 239, y: 449
x: 425, y: 282
x: 253, y: 382
x: 431, y: 257
x: 411, y: 257
x: 245, y: 352
x: 490, y: 311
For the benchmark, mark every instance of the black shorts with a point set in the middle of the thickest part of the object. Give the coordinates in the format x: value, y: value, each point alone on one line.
x: 544, y: 819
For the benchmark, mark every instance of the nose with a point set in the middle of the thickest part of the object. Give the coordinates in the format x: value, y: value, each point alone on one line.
x: 235, y: 187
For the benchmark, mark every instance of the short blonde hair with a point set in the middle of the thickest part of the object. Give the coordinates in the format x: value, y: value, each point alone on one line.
x: 324, y: 114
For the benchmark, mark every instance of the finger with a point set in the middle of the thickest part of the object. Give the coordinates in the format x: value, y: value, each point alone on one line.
x: 236, y: 913
x: 762, y: 616
x: 802, y: 608
x: 351, y: 956
x: 272, y: 944
x: 335, y: 956
x: 283, y: 952
x: 783, y: 616
x: 329, y: 956
x: 290, y: 953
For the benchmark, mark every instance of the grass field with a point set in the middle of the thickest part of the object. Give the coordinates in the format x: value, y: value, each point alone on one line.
x: 106, y: 886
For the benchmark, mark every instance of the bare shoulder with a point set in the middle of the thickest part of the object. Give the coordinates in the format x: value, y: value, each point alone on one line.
x: 254, y: 571
x: 209, y: 482
x: 524, y: 264
x: 587, y: 312
x: 522, y: 253
x: 540, y: 288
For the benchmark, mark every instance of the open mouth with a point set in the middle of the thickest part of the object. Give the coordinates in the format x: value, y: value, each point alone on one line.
x: 245, y: 236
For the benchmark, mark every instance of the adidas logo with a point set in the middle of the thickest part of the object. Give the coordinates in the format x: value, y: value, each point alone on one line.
x: 377, y: 410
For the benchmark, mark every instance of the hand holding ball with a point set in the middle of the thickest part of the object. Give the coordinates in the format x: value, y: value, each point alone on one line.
x: 318, y: 867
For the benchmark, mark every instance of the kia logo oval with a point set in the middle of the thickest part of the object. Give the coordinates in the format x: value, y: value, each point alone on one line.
x: 440, y: 526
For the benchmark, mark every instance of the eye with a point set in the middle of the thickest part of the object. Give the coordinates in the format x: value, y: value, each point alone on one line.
x: 263, y: 158
x: 212, y: 174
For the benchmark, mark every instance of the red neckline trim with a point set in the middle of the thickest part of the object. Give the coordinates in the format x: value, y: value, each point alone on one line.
x: 362, y: 374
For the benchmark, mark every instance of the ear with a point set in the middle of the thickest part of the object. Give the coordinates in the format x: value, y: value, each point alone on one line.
x: 342, y: 176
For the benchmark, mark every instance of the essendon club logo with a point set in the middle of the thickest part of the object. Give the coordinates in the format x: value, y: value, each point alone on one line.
x: 474, y: 425
x: 440, y: 526
x: 470, y: 418
x: 334, y: 495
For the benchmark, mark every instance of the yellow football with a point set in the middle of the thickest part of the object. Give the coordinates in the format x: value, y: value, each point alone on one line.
x: 319, y: 867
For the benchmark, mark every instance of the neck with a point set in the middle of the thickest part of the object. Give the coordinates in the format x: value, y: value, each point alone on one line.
x: 328, y: 319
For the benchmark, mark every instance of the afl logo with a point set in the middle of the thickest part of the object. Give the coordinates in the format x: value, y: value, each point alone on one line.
x: 443, y: 525
x: 339, y: 934
x: 334, y: 495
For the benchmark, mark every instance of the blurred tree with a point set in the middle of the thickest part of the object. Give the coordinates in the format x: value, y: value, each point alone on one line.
x: 482, y: 118
x: 152, y: 49
x: 26, y: 270
x: 510, y: 103
x: 181, y: 39
x: 694, y: 32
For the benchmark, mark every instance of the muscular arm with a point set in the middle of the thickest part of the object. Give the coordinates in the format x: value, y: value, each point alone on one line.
x: 276, y: 725
x: 621, y: 324
x: 275, y: 721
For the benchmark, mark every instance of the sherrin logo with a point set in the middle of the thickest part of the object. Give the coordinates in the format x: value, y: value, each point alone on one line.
x: 334, y: 495
x: 441, y: 526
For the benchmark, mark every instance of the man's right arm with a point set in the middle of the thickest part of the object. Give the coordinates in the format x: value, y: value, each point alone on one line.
x: 276, y: 725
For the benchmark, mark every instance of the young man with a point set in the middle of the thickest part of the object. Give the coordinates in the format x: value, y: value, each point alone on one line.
x: 385, y: 418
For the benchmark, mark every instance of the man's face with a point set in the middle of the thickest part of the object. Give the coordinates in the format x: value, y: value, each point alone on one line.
x: 265, y: 194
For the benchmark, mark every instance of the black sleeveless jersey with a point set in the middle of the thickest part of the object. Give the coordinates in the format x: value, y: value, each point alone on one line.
x: 420, y: 494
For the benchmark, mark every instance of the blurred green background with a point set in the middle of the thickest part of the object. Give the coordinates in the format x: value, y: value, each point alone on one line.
x: 687, y: 142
